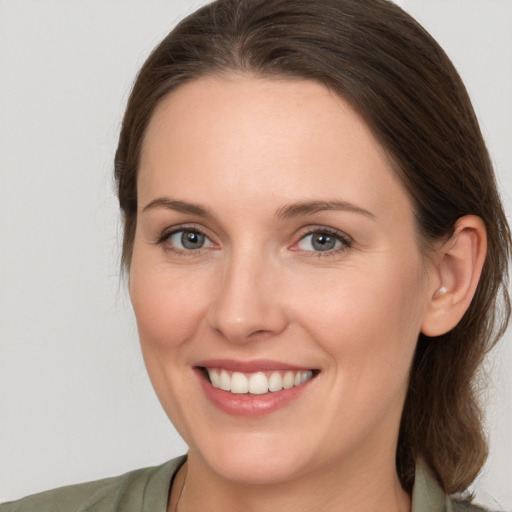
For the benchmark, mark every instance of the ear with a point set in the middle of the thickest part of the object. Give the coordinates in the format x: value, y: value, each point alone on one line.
x: 456, y: 271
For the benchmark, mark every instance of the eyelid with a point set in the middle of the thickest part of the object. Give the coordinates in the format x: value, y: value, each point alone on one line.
x: 346, y: 240
x: 172, y: 230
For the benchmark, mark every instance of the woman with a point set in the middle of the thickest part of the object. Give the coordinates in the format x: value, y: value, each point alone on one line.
x: 316, y: 250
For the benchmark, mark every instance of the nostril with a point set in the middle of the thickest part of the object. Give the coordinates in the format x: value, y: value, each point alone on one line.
x: 244, y: 312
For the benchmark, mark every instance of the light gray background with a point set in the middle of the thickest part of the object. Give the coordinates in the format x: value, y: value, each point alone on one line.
x: 75, y: 402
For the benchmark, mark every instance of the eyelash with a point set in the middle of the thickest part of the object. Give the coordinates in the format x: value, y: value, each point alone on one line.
x: 345, y: 241
x: 167, y: 234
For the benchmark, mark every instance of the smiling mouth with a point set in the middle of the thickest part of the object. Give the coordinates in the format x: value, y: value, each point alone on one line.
x: 257, y: 383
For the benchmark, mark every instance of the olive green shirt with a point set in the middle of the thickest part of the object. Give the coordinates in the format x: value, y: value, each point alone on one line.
x: 147, y: 490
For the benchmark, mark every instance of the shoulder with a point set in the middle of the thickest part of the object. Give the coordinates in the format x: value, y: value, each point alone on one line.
x: 143, y: 489
x: 463, y: 506
x: 466, y: 506
x: 427, y: 495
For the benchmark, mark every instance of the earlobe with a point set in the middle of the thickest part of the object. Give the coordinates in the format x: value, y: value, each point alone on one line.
x: 458, y: 266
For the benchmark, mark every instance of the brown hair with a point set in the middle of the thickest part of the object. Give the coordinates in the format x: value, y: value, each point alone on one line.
x: 403, y: 85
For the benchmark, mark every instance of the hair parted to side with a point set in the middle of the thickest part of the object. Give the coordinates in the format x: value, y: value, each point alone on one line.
x: 400, y: 81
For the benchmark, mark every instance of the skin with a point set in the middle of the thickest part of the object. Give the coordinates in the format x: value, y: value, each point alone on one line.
x: 245, y: 148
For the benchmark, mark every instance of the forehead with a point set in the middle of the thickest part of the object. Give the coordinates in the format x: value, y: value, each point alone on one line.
x: 260, y: 139
x: 248, y: 107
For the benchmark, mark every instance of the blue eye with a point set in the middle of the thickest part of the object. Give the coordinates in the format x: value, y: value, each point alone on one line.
x: 189, y: 240
x: 322, y: 241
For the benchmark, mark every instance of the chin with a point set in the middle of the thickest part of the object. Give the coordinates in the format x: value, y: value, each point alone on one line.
x: 257, y: 460
x: 255, y: 470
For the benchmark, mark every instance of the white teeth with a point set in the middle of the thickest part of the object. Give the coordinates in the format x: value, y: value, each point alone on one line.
x: 257, y: 383
x: 305, y: 376
x: 214, y: 378
x: 239, y: 383
x: 225, y: 381
x: 275, y: 382
x: 288, y: 380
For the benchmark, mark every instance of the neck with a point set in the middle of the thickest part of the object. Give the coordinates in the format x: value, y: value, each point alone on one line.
x: 368, y: 486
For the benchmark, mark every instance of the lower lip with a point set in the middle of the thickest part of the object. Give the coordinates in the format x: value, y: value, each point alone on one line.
x: 250, y: 405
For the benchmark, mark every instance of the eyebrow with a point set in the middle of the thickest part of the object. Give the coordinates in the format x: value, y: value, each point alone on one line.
x: 310, y: 207
x: 284, y: 212
x: 179, y: 206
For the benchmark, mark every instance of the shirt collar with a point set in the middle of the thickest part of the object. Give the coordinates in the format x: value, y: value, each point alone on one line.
x: 427, y: 494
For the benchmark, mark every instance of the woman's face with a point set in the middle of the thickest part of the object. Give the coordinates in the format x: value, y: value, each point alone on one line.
x: 275, y: 247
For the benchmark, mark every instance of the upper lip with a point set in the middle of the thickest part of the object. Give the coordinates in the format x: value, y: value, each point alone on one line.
x: 255, y: 365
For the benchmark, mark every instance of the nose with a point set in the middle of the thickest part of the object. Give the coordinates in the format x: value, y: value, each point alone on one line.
x: 248, y: 304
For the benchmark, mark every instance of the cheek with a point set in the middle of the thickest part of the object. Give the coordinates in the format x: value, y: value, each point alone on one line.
x: 168, y: 305
x: 369, y: 321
